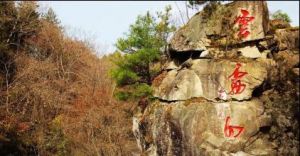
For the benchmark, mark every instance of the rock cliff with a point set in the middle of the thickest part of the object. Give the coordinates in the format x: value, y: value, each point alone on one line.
x: 230, y: 88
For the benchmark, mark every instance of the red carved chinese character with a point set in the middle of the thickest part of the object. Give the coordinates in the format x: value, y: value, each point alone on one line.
x: 243, y: 23
x: 229, y: 130
x: 236, y: 85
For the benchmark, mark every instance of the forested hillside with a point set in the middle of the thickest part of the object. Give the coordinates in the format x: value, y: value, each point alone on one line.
x: 56, y: 97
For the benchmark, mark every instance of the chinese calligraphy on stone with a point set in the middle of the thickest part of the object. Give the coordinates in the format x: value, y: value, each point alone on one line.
x: 243, y: 21
x: 237, y: 86
x: 229, y: 130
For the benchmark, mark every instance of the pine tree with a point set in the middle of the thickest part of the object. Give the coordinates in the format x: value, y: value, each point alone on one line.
x: 143, y: 46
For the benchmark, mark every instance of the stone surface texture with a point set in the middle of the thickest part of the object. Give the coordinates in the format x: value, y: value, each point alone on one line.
x: 237, y: 100
x: 196, y: 34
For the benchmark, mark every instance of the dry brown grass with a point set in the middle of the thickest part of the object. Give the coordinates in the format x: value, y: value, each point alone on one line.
x: 96, y: 122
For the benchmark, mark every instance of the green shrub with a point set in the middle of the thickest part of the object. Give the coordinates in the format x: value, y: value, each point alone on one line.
x: 123, y: 76
x: 134, y: 91
x: 142, y: 90
x: 281, y: 15
x: 122, y: 96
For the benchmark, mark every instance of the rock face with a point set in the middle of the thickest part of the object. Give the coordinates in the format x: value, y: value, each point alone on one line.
x: 196, y: 126
x: 241, y: 100
x: 251, y: 52
x: 198, y: 33
x: 207, y: 82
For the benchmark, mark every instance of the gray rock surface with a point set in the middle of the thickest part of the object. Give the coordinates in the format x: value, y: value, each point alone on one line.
x: 250, y: 52
x: 196, y: 34
x: 207, y: 76
x: 203, y: 108
x: 192, y: 127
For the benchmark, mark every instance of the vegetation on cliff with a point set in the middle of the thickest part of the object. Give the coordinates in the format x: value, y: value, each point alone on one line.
x: 145, y: 48
x: 281, y: 16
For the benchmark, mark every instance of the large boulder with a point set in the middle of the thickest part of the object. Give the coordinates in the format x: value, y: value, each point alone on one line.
x: 219, y: 21
x: 240, y: 98
x: 207, y: 78
x: 198, y: 127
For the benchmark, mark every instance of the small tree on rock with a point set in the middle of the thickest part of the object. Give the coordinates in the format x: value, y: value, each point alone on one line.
x: 142, y: 47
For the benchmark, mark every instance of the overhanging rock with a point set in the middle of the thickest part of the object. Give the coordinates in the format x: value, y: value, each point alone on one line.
x: 223, y: 26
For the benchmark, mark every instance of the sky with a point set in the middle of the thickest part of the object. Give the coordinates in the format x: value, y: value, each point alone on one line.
x: 103, y: 22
